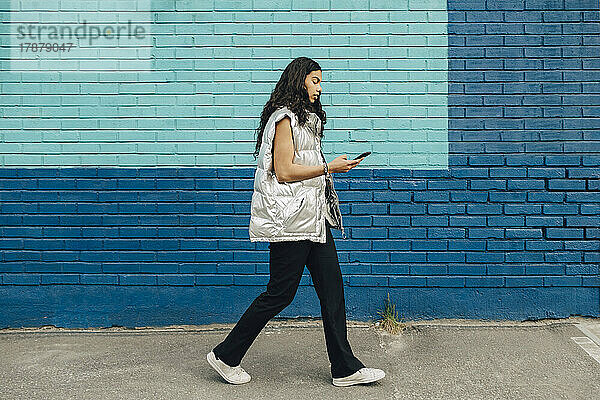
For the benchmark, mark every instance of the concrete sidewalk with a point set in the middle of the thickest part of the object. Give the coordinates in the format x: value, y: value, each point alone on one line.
x: 435, y: 359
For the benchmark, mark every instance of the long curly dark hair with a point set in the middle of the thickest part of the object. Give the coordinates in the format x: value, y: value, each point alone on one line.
x: 290, y: 92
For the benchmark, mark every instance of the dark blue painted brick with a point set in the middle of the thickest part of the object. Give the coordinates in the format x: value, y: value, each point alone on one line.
x: 533, y: 220
x: 390, y: 220
x: 137, y: 279
x: 523, y: 281
x: 383, y: 244
x: 98, y: 279
x: 214, y: 280
x: 593, y: 281
x: 431, y: 196
x: 484, y: 281
x: 200, y: 172
x: 368, y: 185
x: 428, y: 270
x: 251, y: 280
x: 522, y: 209
x: 369, y: 280
x: 369, y: 209
x: 408, y: 185
x: 467, y: 244
x: 390, y: 269
x: 370, y: 233
x: 469, y: 196
x: 459, y: 220
x: 176, y: 280
x: 408, y: 257
x: 445, y: 281
x: 562, y: 281
x: 564, y: 233
x: 21, y: 279
x: 446, y: 232
x: 445, y: 209
x: 413, y: 281
x: 484, y: 208
x: 463, y: 269
x: 393, y: 197
x: 505, y: 269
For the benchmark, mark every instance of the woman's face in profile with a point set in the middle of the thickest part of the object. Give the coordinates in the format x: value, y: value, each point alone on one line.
x: 312, y: 83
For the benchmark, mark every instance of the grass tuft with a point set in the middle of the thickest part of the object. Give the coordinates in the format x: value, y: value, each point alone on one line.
x: 389, y: 318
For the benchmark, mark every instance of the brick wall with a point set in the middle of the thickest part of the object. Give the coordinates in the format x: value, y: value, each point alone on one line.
x: 124, y: 196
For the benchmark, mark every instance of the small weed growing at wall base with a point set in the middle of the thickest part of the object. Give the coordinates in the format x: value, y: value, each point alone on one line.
x: 389, y: 318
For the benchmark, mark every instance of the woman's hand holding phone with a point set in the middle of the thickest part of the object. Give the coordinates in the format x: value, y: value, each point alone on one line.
x: 363, y: 155
x: 342, y: 164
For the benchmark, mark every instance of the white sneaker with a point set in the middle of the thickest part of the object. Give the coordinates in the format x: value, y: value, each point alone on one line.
x: 235, y: 375
x: 363, y: 375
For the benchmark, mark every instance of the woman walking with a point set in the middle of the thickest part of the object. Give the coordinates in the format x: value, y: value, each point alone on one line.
x: 293, y: 207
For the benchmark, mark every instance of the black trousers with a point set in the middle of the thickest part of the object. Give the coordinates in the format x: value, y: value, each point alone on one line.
x: 286, y: 264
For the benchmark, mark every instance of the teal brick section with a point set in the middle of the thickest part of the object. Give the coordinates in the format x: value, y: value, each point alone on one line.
x: 213, y: 67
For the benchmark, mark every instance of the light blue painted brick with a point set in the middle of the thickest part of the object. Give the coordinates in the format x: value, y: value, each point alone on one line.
x: 260, y: 5
x: 235, y: 5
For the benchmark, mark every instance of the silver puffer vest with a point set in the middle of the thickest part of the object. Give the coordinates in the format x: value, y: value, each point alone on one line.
x: 292, y: 210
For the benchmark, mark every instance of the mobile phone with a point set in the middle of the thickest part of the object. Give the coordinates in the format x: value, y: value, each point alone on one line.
x: 366, y: 153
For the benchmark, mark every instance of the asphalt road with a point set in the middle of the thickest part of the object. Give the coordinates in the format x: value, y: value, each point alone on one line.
x: 438, y: 359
